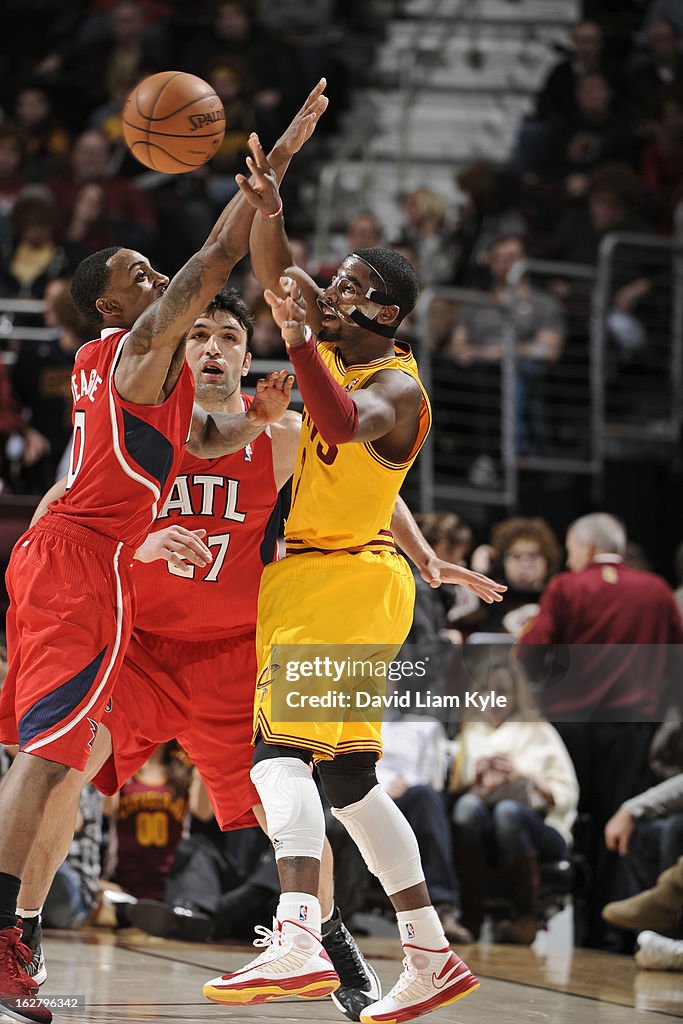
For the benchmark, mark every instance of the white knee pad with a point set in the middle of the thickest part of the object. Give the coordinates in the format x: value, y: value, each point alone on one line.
x: 294, y: 814
x: 385, y: 839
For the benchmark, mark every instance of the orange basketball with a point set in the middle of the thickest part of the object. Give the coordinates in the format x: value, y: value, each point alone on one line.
x: 173, y: 122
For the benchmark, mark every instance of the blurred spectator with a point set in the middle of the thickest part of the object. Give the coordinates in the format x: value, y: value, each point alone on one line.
x: 647, y: 831
x: 12, y: 180
x: 557, y: 97
x: 42, y: 379
x: 86, y: 228
x: 478, y: 339
x: 678, y: 565
x: 412, y: 770
x: 36, y: 257
x: 429, y: 636
x: 128, y: 212
x: 661, y: 167
x: 236, y: 40
x: 524, y: 554
x: 605, y: 690
x: 427, y: 231
x: 45, y: 144
x: 489, y: 211
x: 664, y: 10
x: 613, y: 197
x: 363, y: 230
x: 150, y: 812
x: 596, y: 131
x: 656, y: 78
x: 10, y: 422
x: 230, y: 83
x: 82, y: 73
x: 516, y: 799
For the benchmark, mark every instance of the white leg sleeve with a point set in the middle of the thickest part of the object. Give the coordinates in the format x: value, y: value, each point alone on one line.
x: 294, y: 814
x: 385, y: 839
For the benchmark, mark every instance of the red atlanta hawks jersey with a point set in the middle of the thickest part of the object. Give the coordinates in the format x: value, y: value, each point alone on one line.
x: 235, y: 499
x: 124, y: 457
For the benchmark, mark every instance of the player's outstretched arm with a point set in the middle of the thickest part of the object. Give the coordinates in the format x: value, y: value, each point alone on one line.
x: 433, y: 569
x: 269, y: 248
x: 285, y: 436
x: 215, y: 434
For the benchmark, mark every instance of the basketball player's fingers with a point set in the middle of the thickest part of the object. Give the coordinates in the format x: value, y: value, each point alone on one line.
x: 313, y: 95
x: 257, y: 151
x: 273, y: 300
x: 191, y: 547
x: 174, y: 559
x: 288, y: 385
x: 248, y: 190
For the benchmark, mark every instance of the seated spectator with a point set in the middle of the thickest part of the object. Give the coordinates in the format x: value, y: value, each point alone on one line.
x: 149, y: 814
x: 42, y: 380
x: 412, y: 770
x: 12, y: 181
x: 10, y: 423
x: 235, y: 35
x: 427, y: 231
x: 477, y: 343
x: 647, y: 831
x: 577, y: 142
x: 36, y: 258
x: 45, y: 144
x: 557, y: 96
x: 230, y: 82
x: 488, y: 212
x: 524, y: 554
x: 516, y: 796
x: 661, y: 167
x: 362, y: 231
x: 129, y: 215
x: 81, y: 72
x: 656, y: 78
x: 613, y: 200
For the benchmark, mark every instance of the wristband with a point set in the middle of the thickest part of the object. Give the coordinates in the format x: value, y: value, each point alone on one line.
x: 275, y: 213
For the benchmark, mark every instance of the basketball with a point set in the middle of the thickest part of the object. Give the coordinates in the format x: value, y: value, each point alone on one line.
x: 173, y: 122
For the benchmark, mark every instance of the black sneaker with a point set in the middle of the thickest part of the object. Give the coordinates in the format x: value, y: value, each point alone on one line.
x: 360, y: 985
x: 32, y: 936
x: 156, y: 918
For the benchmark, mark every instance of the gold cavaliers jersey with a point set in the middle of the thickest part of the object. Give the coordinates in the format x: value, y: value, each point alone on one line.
x: 343, y: 497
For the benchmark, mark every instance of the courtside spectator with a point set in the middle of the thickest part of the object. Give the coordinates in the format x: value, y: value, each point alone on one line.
x: 605, y: 688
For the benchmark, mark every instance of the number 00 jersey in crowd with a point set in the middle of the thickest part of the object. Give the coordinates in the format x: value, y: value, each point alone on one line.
x: 233, y: 498
x: 124, y: 456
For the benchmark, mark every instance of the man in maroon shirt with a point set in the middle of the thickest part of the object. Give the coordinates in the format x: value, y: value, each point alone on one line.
x: 605, y: 686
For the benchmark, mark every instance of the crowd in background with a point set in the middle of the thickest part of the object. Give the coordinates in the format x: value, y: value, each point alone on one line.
x: 602, y: 151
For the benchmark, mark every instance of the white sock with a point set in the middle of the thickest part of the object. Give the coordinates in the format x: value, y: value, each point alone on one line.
x: 26, y: 915
x: 421, y: 928
x: 302, y: 908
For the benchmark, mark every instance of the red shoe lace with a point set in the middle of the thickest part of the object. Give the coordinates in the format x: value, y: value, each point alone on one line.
x: 17, y: 956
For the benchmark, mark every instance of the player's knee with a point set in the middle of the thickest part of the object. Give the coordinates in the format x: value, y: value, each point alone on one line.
x: 294, y: 815
x: 348, y: 778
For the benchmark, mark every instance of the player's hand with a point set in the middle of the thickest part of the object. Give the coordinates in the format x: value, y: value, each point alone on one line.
x: 618, y: 831
x: 177, y: 546
x: 435, y: 572
x: 272, y: 398
x: 261, y: 189
x: 289, y: 313
x: 302, y: 125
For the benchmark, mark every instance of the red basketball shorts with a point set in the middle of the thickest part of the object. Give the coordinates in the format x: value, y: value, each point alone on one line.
x: 71, y: 611
x: 200, y: 693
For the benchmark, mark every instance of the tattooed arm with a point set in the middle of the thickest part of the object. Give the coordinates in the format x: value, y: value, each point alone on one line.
x: 154, y: 352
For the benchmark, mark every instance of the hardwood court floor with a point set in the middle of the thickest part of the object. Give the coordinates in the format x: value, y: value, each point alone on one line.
x: 133, y: 978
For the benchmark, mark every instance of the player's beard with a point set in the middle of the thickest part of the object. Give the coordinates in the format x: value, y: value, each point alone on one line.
x: 214, y: 397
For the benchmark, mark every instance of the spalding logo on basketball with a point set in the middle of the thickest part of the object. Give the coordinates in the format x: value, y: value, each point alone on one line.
x: 173, y: 122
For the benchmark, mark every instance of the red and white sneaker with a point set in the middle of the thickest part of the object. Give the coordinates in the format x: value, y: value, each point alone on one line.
x: 294, y: 963
x: 18, y: 993
x: 431, y: 978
